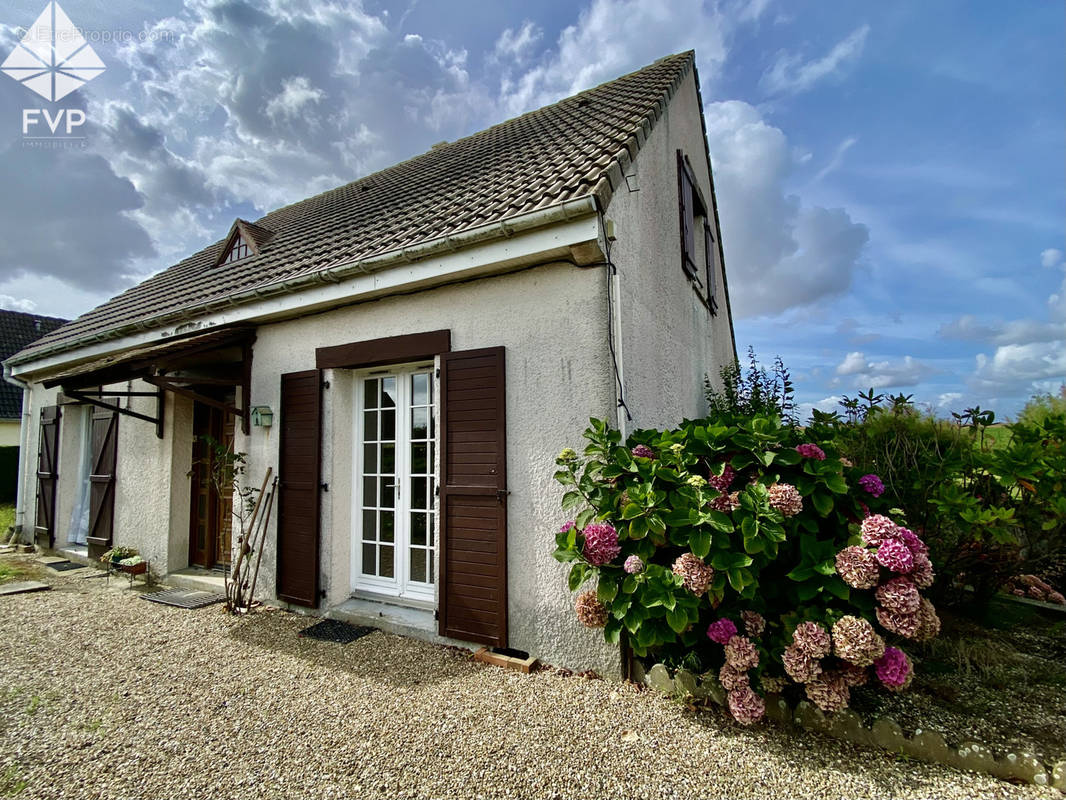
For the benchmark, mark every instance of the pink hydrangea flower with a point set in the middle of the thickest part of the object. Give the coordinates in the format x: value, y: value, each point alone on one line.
x: 858, y: 567
x: 910, y: 538
x: 877, y: 528
x: 872, y: 484
x: 894, y: 669
x: 905, y: 625
x: 721, y: 630
x: 922, y: 574
x: 786, y: 498
x: 741, y: 653
x: 601, y: 543
x: 800, y: 666
x: 812, y: 639
x: 754, y: 623
x: 566, y: 526
x: 722, y: 482
x: 829, y: 691
x: 726, y: 503
x: 643, y: 451
x: 732, y: 678
x: 811, y: 451
x: 899, y: 595
x: 633, y: 565
x: 745, y: 706
x: 896, y: 556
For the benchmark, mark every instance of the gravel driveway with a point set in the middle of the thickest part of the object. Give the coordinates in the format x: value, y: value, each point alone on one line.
x: 107, y: 696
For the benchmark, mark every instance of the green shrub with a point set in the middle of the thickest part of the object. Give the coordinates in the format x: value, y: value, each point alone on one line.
x: 737, y: 522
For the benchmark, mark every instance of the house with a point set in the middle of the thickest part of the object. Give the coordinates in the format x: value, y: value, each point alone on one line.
x: 17, y: 330
x: 423, y: 342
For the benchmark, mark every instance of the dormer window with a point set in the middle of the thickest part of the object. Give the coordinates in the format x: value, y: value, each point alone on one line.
x: 239, y: 250
x: 245, y: 239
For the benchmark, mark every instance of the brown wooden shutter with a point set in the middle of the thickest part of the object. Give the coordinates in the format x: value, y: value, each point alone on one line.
x: 298, y: 484
x: 712, y: 273
x: 686, y: 209
x: 473, y: 497
x: 104, y: 438
x: 44, y: 525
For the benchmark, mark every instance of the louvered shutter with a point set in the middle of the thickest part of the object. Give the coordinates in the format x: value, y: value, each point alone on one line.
x: 44, y: 526
x: 473, y: 497
x: 298, y: 487
x: 686, y: 209
x: 712, y: 272
x: 104, y: 439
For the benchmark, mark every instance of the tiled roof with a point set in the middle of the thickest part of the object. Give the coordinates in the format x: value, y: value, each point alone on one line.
x: 16, y: 331
x: 558, y: 153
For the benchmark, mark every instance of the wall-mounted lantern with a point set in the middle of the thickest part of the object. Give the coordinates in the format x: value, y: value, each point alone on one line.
x: 262, y: 416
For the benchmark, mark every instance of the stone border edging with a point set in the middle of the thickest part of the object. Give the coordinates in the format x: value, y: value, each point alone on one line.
x: 886, y: 734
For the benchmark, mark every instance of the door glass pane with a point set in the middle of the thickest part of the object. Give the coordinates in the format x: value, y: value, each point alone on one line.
x: 388, y: 528
x: 418, y: 528
x: 370, y: 458
x: 388, y: 393
x: 420, y: 389
x: 419, y: 423
x: 418, y: 565
x: 418, y: 459
x: 388, y: 426
x: 418, y: 493
x: 370, y: 426
x: 369, y: 525
x: 388, y: 491
x: 370, y: 394
x: 369, y: 560
x: 385, y: 554
x: 388, y: 459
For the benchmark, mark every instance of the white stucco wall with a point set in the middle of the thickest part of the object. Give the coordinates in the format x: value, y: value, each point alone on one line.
x: 9, y: 433
x: 669, y: 340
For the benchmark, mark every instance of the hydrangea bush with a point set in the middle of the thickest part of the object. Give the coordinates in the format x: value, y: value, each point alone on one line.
x: 738, y: 547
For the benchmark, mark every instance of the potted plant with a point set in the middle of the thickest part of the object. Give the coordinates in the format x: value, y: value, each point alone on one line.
x: 124, y: 559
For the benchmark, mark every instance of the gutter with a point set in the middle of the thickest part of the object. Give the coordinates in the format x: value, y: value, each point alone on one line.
x: 502, y: 229
x: 24, y: 432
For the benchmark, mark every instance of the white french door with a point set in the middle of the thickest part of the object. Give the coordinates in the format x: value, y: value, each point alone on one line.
x: 393, y: 522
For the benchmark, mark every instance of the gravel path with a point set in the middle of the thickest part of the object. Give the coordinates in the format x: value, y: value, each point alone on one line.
x: 107, y: 696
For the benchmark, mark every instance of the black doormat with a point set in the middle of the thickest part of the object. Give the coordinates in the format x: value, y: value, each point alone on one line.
x: 184, y: 598
x: 333, y: 630
x: 63, y: 566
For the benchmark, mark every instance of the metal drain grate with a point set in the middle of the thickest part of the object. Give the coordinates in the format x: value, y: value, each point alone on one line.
x: 184, y: 598
x: 63, y: 566
x: 333, y: 630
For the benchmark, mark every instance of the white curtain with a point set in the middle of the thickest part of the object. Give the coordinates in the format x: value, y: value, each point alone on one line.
x: 79, y: 516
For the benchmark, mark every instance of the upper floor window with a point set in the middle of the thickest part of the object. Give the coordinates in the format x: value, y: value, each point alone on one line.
x: 238, y: 250
x: 698, y: 247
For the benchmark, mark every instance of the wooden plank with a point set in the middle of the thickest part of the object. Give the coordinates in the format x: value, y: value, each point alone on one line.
x: 387, y: 350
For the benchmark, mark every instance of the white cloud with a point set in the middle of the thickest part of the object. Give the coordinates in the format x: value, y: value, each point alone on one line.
x: 790, y: 74
x: 837, y: 160
x: 1019, y: 365
x: 1051, y: 257
x: 9, y: 303
x: 295, y: 94
x: 789, y: 254
x: 882, y: 374
x: 831, y: 403
x: 852, y: 364
x: 517, y: 45
x: 948, y: 400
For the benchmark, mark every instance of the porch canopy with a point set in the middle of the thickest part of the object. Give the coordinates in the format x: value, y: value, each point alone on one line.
x: 198, y: 366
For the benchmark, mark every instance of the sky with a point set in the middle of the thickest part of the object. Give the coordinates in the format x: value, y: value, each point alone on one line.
x: 891, y: 177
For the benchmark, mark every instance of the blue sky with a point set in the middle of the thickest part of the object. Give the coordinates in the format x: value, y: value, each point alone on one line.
x: 891, y: 177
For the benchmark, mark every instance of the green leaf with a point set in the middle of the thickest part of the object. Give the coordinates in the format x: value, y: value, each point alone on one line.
x: 612, y: 631
x: 699, y: 541
x: 656, y: 524
x: 677, y: 619
x: 564, y: 477
x: 807, y: 591
x: 721, y: 522
x: 823, y: 503
x: 632, y: 511
x: 565, y: 554
x: 836, y: 484
x: 803, y: 572
x: 584, y: 518
x: 736, y: 578
x: 836, y: 587
x: 727, y: 560
x: 572, y: 500
x: 606, y: 591
x: 753, y: 545
x: 629, y: 585
x: 826, y: 567
x: 638, y: 528
x: 577, y: 576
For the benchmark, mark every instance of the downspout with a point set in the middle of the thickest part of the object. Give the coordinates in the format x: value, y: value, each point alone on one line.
x: 24, y: 428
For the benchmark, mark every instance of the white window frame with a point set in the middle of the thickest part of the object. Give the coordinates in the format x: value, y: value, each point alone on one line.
x: 399, y: 588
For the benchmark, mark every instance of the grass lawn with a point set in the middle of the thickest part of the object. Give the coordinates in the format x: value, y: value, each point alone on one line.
x: 7, y: 518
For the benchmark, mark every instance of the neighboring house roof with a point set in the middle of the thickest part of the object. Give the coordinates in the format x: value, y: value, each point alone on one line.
x: 545, y: 158
x: 17, y: 330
